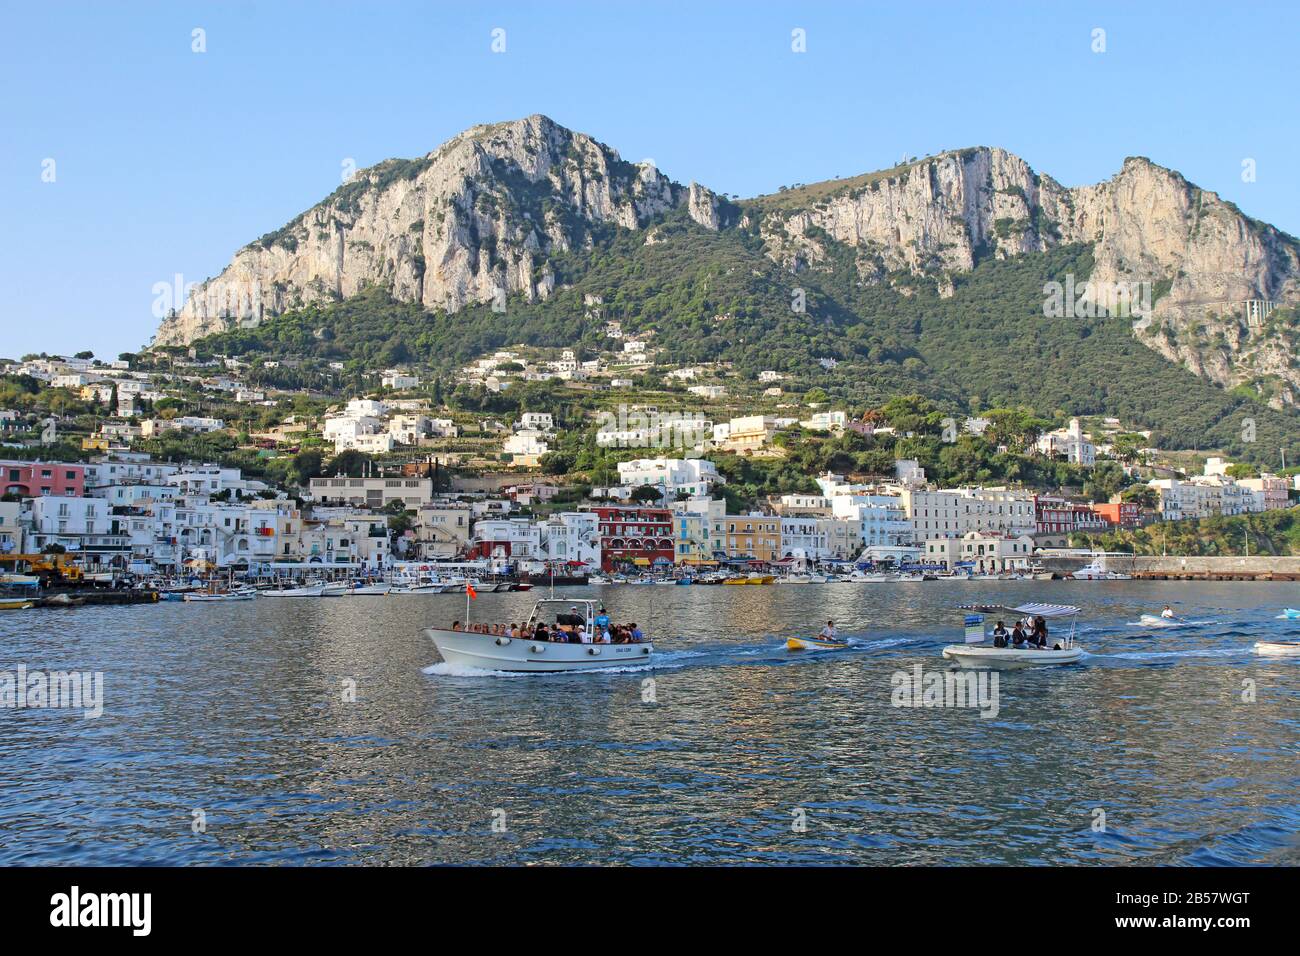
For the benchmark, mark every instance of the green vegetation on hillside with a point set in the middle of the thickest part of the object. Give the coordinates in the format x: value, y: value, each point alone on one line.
x: 1271, y: 532
x: 703, y: 296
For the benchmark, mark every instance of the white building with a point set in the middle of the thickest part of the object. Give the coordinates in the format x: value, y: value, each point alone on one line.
x: 951, y: 513
x: 982, y: 553
x: 1070, y: 443
x: 399, y: 380
x: 826, y: 421
x: 670, y: 476
x: 525, y: 448
x: 535, y: 422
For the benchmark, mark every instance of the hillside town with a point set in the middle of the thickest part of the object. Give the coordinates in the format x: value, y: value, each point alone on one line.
x: 395, y: 480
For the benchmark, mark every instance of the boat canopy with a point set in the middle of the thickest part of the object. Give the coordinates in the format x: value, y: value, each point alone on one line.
x: 1037, y: 610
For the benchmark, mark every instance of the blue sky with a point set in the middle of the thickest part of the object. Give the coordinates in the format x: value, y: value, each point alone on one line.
x: 167, y: 160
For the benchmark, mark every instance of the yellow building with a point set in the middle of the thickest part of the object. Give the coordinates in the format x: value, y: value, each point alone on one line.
x: 756, y: 537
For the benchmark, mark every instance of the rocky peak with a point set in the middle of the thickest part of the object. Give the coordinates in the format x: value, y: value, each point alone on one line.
x: 473, y: 220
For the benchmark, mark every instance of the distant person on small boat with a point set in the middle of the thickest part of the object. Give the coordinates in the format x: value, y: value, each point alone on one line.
x: 455, y: 625
x: 1000, y: 635
x: 1017, y: 635
x: 602, y: 619
x: 829, y: 633
x: 541, y: 633
x: 1168, y: 612
x: 637, y: 636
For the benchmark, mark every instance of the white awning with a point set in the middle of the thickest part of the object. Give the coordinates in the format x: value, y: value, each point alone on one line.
x: 1039, y: 610
x: 1046, y: 610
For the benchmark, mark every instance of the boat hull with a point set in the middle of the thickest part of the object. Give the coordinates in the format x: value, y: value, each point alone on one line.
x: 293, y: 593
x: 493, y: 653
x: 1278, y: 648
x: 813, y: 644
x: 1009, y: 658
x: 1155, y: 620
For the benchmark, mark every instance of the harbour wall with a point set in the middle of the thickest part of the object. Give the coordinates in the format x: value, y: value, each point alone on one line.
x: 1260, y: 568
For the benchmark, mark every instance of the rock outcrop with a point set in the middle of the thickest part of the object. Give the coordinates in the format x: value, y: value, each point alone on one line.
x: 475, y: 219
x: 1195, y: 275
x: 483, y: 216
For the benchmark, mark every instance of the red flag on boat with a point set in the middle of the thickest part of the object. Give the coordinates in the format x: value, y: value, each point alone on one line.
x: 469, y: 589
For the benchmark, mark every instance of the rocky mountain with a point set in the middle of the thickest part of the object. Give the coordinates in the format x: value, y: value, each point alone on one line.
x: 479, y: 218
x: 1197, y: 278
x: 490, y: 213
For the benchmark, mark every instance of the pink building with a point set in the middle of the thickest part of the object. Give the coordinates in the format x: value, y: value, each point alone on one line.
x: 34, y: 479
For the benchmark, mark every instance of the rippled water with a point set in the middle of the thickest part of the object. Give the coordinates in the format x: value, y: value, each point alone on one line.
x: 237, y: 710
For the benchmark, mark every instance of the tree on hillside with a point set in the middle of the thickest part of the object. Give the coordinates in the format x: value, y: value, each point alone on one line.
x: 645, y: 494
x: 349, y: 463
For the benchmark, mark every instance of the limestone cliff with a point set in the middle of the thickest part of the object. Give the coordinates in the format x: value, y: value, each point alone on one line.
x: 1200, y: 277
x: 476, y: 219
x: 484, y: 215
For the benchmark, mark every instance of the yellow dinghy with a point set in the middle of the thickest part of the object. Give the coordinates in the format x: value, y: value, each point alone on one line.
x: 19, y: 605
x: 814, y: 644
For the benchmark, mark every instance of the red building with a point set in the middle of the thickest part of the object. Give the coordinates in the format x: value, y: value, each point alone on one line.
x: 638, y: 536
x: 1054, y: 515
x: 1124, y: 514
x: 33, y: 479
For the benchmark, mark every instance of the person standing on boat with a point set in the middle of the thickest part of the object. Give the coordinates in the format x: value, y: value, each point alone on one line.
x: 602, y: 620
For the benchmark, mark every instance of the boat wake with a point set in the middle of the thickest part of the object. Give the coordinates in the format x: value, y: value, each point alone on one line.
x: 1164, y: 623
x: 1160, y: 655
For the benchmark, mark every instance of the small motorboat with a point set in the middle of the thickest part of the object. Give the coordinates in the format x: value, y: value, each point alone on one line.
x: 980, y: 652
x: 1290, y: 614
x: 1158, y: 620
x: 1278, y: 648
x: 496, y: 652
x: 15, y: 604
x: 203, y: 596
x: 815, y: 644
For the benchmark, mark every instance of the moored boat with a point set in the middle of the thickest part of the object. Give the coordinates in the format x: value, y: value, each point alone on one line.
x: 1278, y: 648
x: 305, y: 592
x: 370, y: 590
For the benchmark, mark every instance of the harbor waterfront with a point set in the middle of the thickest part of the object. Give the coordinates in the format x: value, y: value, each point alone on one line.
x: 328, y: 731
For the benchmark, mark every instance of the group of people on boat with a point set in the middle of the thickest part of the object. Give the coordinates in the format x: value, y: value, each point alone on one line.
x: 569, y: 628
x: 1029, y: 633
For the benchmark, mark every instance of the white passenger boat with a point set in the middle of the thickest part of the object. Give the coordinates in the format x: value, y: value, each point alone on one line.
x: 863, y: 577
x: 201, y: 597
x: 307, y: 592
x: 494, y: 652
x: 980, y: 651
x: 365, y: 590
x: 1095, y: 571
x: 1278, y: 648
